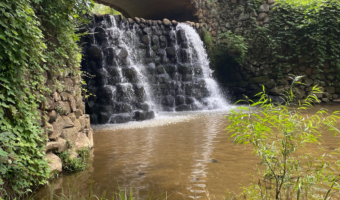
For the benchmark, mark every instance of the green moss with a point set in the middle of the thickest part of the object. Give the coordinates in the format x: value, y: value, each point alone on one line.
x: 207, y: 39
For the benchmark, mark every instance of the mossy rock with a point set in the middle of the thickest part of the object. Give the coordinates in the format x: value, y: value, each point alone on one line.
x: 259, y: 79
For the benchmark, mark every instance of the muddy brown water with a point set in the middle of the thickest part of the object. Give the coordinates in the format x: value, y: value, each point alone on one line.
x: 184, y: 155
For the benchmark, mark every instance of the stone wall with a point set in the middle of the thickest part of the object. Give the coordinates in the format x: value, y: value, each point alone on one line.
x: 259, y: 68
x: 63, y: 117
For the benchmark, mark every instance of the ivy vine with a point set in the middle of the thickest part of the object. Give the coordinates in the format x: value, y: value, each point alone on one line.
x: 35, y: 36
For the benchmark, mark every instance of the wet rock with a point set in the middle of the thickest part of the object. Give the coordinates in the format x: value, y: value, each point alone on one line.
x: 140, y: 116
x: 100, y: 35
x: 168, y: 101
x: 144, y: 106
x: 110, y: 54
x: 184, y: 68
x: 120, y: 118
x: 146, y: 39
x: 170, y: 69
x: 150, y: 115
x: 171, y: 52
x: 183, y: 108
x: 180, y: 99
x: 123, y: 54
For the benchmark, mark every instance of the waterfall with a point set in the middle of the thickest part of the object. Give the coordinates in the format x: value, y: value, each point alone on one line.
x: 146, y: 67
x: 198, y: 55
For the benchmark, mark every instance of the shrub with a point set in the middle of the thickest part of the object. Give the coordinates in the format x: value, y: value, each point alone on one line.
x: 78, y: 163
x: 278, y: 134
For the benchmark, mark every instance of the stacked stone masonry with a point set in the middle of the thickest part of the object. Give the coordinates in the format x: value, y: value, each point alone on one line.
x: 259, y: 68
x: 63, y: 117
x: 119, y: 94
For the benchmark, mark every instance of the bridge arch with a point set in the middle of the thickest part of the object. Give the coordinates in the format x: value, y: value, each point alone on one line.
x: 180, y: 10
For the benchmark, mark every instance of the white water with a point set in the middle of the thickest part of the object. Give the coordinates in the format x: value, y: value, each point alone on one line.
x: 199, y: 55
x: 128, y: 40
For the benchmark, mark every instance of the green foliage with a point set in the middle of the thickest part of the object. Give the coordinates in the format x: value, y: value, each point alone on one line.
x: 122, y: 194
x: 236, y: 46
x: 306, y: 31
x: 35, y: 36
x: 78, y: 163
x: 102, y: 10
x: 207, y: 39
x: 21, y: 47
x: 279, y: 135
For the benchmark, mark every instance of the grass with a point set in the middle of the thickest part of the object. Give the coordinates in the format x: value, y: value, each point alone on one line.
x: 71, y: 193
x: 307, y: 3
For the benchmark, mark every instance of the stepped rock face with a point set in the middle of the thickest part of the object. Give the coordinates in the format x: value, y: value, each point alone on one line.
x: 142, y: 66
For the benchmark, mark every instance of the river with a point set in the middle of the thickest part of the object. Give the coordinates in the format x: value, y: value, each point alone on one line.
x: 183, y: 155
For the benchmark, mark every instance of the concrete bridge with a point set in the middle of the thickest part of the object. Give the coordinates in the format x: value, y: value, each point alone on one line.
x: 181, y: 10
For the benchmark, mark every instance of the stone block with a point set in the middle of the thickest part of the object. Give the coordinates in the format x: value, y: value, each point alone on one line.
x: 330, y: 90
x: 70, y: 134
x: 308, y: 82
x: 81, y: 141
x: 259, y: 79
x: 264, y: 8
x: 54, y: 162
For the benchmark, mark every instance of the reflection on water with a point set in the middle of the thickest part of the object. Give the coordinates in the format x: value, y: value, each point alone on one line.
x: 182, y: 154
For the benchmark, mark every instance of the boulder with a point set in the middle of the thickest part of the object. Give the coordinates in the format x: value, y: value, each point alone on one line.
x: 146, y: 39
x: 78, y: 113
x: 150, y: 115
x: 330, y: 90
x: 120, y: 118
x: 82, y: 141
x: 183, y: 108
x: 95, y: 53
x: 270, y: 84
x: 140, y: 116
x: 180, y: 99
x: 54, y: 162
x: 171, y: 52
x: 62, y: 144
x: 262, y: 16
x: 52, y: 116
x: 166, y: 22
x: 59, y: 125
x: 123, y: 54
x: 70, y: 134
x: 78, y: 125
x: 264, y: 8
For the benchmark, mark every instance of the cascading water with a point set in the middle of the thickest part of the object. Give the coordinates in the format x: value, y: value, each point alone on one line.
x: 142, y: 67
x: 198, y: 55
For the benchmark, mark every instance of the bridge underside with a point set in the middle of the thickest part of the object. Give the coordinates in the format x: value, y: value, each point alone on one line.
x: 180, y: 10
